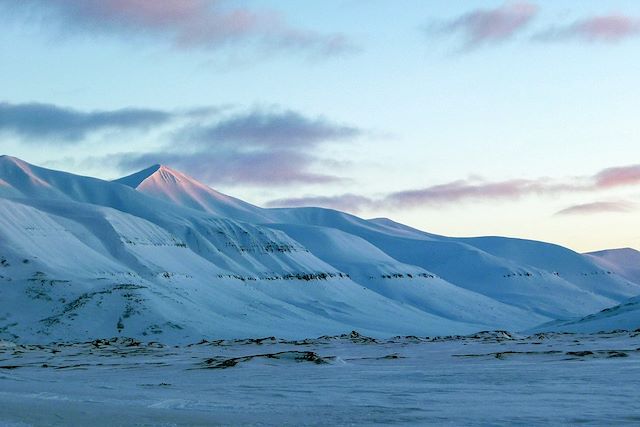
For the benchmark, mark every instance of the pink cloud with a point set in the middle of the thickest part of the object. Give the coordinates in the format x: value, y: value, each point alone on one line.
x: 618, y: 177
x: 150, y: 13
x: 458, y: 190
x: 605, y: 28
x: 480, y: 190
x: 597, y: 207
x: 493, y: 25
x: 206, y: 24
x: 437, y: 195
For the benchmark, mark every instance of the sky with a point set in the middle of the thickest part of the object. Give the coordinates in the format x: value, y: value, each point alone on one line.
x: 460, y: 118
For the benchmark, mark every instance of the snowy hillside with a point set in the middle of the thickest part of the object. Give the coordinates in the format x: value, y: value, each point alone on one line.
x: 165, y: 183
x: 532, y: 275
x: 158, y: 254
x: 625, y: 316
x: 624, y: 262
x: 539, y: 277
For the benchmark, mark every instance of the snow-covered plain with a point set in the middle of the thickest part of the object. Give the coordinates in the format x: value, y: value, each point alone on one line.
x: 490, y: 378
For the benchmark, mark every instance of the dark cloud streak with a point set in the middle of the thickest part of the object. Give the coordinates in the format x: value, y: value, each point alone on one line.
x: 263, y: 128
x: 40, y: 123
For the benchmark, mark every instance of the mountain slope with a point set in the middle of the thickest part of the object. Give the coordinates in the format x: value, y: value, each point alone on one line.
x: 538, y: 277
x: 160, y: 254
x: 121, y: 272
x: 165, y: 183
x: 410, y: 284
x: 624, y: 262
x: 84, y: 258
x: 625, y: 316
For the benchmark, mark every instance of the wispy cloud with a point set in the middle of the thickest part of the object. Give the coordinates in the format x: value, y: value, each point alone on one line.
x: 476, y: 189
x: 618, y: 177
x: 186, y: 24
x: 45, y: 123
x: 604, y: 28
x: 489, y: 26
x: 597, y: 207
x: 482, y: 27
x: 436, y: 195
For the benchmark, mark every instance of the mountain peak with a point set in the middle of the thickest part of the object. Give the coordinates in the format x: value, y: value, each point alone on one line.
x: 162, y: 182
x: 14, y: 164
x: 5, y: 159
x: 156, y: 172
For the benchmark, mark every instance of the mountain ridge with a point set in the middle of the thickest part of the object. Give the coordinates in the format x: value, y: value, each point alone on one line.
x: 159, y: 253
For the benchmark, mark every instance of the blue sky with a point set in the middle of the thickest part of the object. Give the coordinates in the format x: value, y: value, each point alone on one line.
x: 462, y: 118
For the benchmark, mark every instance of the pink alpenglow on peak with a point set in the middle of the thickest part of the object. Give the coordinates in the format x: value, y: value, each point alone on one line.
x: 168, y: 184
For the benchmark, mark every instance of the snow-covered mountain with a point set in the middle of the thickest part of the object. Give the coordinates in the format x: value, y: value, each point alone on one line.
x: 624, y: 262
x: 159, y: 254
x: 168, y: 184
x: 513, y: 260
x: 625, y: 316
